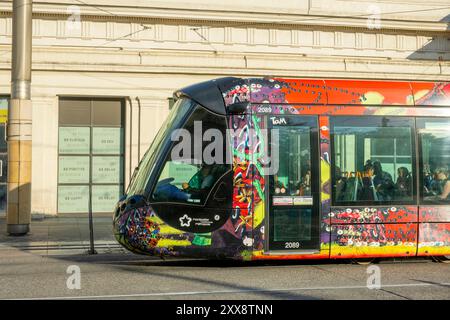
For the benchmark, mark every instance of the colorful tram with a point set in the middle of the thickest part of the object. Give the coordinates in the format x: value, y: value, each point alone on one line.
x: 302, y: 169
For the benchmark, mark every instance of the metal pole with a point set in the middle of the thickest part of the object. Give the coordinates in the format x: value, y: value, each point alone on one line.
x: 19, y: 122
x: 91, y: 222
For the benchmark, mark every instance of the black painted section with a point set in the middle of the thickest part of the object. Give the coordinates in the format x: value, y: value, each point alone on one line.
x: 209, y: 94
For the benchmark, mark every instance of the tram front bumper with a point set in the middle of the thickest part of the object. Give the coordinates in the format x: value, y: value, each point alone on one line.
x: 131, y: 227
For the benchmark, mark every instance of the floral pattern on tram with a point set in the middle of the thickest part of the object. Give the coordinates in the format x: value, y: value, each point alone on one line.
x: 434, y: 239
x: 373, y: 215
x: 377, y: 239
x: 385, y: 232
x: 372, y: 231
x: 434, y: 214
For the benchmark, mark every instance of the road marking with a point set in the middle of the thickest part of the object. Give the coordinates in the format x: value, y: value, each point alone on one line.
x: 184, y: 293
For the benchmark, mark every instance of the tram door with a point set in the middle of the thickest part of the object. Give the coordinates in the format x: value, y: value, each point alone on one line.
x: 293, y: 187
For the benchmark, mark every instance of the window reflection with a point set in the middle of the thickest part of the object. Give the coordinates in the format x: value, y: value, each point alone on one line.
x: 434, y: 137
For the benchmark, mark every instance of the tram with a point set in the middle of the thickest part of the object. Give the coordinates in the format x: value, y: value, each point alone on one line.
x: 270, y: 168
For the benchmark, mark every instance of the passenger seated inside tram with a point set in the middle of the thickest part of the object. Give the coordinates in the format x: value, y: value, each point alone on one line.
x: 347, y: 185
x: 427, y: 179
x: 404, y: 184
x: 383, y: 182
x: 441, y: 185
x: 367, y: 191
x: 341, y: 183
x: 304, y: 187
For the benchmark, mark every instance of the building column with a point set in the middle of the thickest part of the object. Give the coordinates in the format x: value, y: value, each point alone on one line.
x: 19, y: 122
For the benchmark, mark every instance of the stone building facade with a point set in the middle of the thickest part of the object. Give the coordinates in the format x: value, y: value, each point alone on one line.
x: 128, y: 57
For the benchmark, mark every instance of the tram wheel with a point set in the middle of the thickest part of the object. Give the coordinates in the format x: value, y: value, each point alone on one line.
x: 442, y: 259
x: 363, y: 261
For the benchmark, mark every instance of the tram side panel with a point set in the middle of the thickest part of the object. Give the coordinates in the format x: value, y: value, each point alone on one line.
x: 325, y: 185
x: 358, y: 232
x: 434, y: 231
x: 248, y: 186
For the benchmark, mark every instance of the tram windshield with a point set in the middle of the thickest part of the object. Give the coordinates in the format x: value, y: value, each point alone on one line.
x: 196, y: 160
x: 187, y: 157
x: 142, y: 173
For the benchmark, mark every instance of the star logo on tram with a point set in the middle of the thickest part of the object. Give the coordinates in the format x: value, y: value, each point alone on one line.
x: 185, y: 221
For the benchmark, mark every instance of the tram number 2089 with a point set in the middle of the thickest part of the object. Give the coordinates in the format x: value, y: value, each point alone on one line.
x: 292, y: 245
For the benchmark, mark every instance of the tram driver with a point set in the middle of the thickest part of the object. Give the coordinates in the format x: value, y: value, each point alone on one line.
x: 196, y: 190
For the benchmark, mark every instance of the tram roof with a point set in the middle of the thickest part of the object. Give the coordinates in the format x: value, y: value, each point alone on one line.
x: 221, y: 95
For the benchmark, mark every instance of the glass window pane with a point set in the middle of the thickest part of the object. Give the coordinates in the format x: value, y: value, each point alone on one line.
x: 434, y: 136
x: 3, y: 193
x: 373, y: 159
x: 140, y: 177
x: 294, y: 173
x: 107, y: 140
x: 73, y: 199
x: 381, y: 146
x: 4, y: 109
x: 107, y: 169
x: 73, y: 169
x: 292, y: 224
x: 104, y: 198
x: 3, y: 167
x: 74, y: 112
x: 3, y: 143
x: 74, y: 140
x: 190, y: 176
x: 107, y: 112
x: 402, y: 146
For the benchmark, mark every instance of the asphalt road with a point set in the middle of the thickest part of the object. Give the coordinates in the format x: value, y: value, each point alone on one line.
x: 30, y: 275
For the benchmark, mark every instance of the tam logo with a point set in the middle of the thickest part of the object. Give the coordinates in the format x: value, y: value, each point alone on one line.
x: 278, y: 121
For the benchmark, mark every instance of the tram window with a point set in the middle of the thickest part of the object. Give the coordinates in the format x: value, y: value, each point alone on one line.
x: 372, y: 160
x: 294, y: 174
x: 189, y: 172
x: 434, y: 139
x: 141, y: 175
